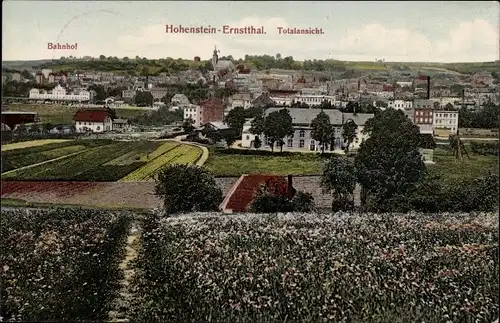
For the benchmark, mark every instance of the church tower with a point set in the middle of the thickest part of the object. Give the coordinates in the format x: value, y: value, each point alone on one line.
x: 215, y: 58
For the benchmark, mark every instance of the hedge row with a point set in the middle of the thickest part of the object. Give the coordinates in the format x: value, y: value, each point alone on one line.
x: 60, y: 264
x: 254, y: 152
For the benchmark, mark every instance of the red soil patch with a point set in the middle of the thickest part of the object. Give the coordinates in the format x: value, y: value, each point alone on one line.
x: 63, y: 189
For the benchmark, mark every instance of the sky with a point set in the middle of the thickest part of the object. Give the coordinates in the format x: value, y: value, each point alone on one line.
x: 447, y: 31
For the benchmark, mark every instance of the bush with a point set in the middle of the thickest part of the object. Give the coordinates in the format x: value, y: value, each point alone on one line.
x: 430, y: 196
x: 60, y: 264
x: 187, y: 188
x: 485, y: 148
x: 342, y: 204
x: 303, y: 202
x: 274, y: 198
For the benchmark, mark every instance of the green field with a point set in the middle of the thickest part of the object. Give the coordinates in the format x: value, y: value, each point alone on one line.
x: 17, y: 158
x: 236, y: 165
x: 453, y: 171
x: 174, y: 154
x: 445, y: 165
x: 61, y: 114
x: 99, y: 160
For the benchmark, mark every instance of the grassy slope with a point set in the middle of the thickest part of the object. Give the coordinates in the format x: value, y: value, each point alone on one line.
x: 59, y: 114
x: 369, y: 65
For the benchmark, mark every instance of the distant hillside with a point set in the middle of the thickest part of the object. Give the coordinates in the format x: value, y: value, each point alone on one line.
x: 154, y: 66
x: 24, y: 65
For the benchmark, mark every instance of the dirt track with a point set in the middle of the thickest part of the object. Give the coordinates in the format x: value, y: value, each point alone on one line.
x: 129, y: 194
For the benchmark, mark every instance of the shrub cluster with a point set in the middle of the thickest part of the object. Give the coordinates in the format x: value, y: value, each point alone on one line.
x: 485, y: 148
x: 431, y: 196
x: 318, y: 268
x: 59, y: 264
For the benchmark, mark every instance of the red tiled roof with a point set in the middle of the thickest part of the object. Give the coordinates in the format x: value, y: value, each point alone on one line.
x: 91, y: 115
x: 241, y: 195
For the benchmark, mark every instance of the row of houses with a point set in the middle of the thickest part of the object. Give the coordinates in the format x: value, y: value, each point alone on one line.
x: 61, y: 94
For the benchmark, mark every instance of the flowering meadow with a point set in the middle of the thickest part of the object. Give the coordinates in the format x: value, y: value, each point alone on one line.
x: 315, y: 268
x: 59, y: 264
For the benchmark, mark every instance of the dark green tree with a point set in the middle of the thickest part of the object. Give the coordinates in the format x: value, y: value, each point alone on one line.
x: 389, y: 163
x: 278, y: 125
x: 322, y: 130
x: 349, y: 129
x: 187, y: 125
x: 143, y: 98
x: 236, y: 119
x: 339, y: 179
x: 257, y: 125
x: 187, y: 188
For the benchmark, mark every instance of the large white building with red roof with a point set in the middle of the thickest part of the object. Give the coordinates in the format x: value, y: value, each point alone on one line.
x: 93, y: 121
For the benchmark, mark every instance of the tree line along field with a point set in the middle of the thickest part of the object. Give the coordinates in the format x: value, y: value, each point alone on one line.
x: 95, y: 160
x: 451, y: 170
x: 63, y: 265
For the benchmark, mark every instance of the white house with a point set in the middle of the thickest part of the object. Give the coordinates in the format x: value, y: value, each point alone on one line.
x: 315, y: 100
x: 59, y: 94
x: 302, y: 139
x: 93, y: 121
x: 400, y: 104
x: 193, y: 112
x: 121, y: 125
x: 445, y: 122
x: 240, y: 100
x: 247, y: 138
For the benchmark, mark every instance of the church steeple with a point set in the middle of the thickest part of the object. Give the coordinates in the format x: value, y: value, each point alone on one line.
x: 215, y: 57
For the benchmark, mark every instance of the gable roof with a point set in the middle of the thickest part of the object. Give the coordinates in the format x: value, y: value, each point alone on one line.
x: 358, y: 118
x: 91, y: 115
x: 306, y: 116
x: 241, y: 194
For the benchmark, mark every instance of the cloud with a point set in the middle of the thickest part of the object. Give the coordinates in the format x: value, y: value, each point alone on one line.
x: 377, y: 41
x: 474, y: 40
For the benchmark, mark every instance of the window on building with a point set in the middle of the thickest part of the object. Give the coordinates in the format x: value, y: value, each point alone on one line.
x: 301, y: 143
x: 302, y: 134
x: 98, y: 128
x: 290, y: 143
x: 84, y: 123
x: 248, y: 137
x: 356, y: 140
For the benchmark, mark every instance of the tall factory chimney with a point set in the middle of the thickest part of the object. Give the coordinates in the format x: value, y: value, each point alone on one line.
x: 428, y: 87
